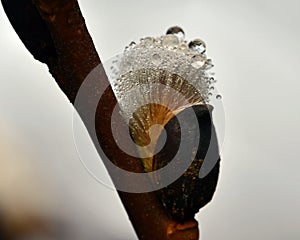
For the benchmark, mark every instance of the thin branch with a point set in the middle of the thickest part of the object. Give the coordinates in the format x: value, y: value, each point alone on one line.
x: 54, y: 31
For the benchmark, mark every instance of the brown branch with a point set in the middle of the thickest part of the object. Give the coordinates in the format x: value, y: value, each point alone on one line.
x: 55, y: 33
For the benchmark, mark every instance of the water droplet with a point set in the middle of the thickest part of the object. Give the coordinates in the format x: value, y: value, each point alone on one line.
x: 177, y: 31
x: 170, y: 41
x: 208, y: 64
x: 210, y: 94
x: 198, y: 62
x: 131, y: 45
x: 198, y: 46
x: 148, y: 41
x: 211, y: 88
x: 183, y: 47
x: 156, y: 59
x: 218, y: 97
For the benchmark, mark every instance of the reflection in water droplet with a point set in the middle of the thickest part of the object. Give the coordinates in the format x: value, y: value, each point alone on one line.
x: 218, y: 97
x: 177, y: 31
x: 198, y: 46
x: 156, y: 59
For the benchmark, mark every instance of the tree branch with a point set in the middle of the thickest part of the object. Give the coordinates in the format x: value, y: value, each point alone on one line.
x: 54, y: 31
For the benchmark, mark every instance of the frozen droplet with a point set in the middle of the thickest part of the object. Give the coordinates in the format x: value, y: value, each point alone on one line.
x: 212, y: 88
x: 198, y: 46
x: 170, y: 41
x: 177, y: 31
x: 198, y: 62
x: 156, y: 59
x: 218, y: 97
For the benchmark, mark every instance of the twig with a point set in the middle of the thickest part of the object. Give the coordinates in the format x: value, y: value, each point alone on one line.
x: 55, y: 33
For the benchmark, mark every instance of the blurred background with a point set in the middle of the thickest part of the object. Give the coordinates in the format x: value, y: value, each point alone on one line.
x: 256, y: 51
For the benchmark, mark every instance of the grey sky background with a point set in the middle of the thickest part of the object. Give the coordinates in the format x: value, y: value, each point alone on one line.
x: 256, y: 51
